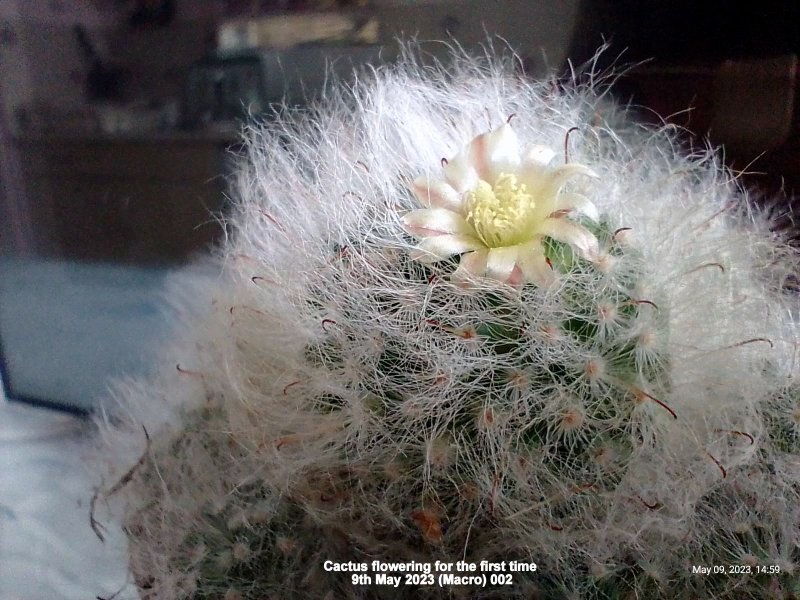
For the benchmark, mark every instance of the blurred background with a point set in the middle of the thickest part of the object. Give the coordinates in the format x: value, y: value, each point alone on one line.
x: 119, y: 123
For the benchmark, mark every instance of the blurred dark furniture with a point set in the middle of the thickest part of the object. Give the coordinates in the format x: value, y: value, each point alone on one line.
x: 748, y: 106
x: 123, y: 199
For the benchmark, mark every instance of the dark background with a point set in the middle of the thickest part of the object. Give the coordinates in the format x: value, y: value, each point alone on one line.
x: 728, y: 62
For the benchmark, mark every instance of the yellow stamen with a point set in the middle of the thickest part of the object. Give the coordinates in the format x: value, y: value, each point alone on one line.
x: 502, y: 214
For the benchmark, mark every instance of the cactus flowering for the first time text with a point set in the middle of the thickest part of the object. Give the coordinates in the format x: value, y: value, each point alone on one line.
x: 467, y: 316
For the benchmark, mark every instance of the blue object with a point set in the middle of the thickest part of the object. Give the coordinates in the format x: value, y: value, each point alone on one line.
x: 66, y: 327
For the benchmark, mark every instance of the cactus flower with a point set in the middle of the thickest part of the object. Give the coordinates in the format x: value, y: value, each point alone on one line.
x: 495, y: 207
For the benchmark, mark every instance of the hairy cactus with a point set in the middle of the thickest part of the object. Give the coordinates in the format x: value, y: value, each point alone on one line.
x: 436, y: 339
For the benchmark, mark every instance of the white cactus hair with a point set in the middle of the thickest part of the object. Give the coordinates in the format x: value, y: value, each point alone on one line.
x: 317, y: 282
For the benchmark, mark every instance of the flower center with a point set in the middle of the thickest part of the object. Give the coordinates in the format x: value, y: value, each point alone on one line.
x: 502, y: 214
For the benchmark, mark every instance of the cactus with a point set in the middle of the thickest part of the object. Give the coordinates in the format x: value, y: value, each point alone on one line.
x: 606, y: 391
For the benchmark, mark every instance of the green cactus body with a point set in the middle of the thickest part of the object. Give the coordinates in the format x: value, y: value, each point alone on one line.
x: 576, y: 425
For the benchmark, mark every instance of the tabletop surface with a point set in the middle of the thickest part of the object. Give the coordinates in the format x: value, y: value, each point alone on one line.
x: 48, y: 550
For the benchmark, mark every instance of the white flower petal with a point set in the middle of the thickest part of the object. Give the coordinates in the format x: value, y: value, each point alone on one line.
x: 533, y: 264
x: 428, y: 222
x: 460, y: 173
x: 441, y: 247
x: 501, y: 262
x: 539, y: 155
x: 535, y: 174
x: 436, y: 193
x: 555, y: 178
x: 572, y: 169
x: 578, y: 203
x: 573, y: 234
x: 472, y: 264
x: 516, y: 277
x: 495, y: 152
